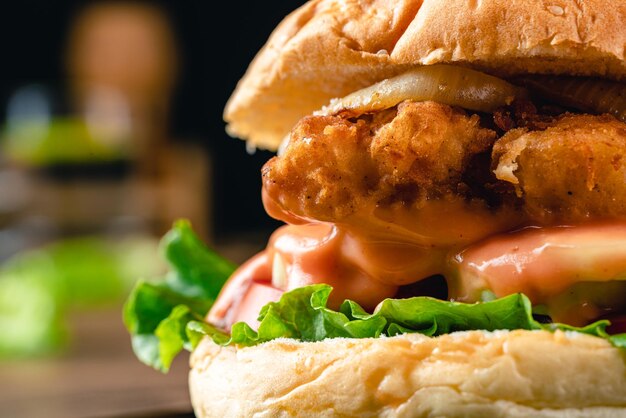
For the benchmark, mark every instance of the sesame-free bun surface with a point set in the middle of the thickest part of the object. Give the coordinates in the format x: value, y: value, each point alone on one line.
x: 467, y: 374
x: 329, y: 48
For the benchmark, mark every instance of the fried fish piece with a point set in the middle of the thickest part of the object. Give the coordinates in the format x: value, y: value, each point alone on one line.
x: 573, y: 169
x: 334, y: 165
x: 568, y: 168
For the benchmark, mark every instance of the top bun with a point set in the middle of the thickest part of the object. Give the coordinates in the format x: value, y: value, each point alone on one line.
x: 329, y: 48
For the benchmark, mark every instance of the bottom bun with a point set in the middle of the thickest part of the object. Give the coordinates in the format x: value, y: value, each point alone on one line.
x: 465, y: 374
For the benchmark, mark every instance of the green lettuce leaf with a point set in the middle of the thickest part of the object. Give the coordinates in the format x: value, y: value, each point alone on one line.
x: 618, y: 340
x: 197, y: 272
x: 302, y: 314
x: 157, y: 314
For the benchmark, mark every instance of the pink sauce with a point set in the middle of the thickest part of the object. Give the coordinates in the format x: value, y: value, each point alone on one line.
x: 543, y: 262
x: 368, y: 256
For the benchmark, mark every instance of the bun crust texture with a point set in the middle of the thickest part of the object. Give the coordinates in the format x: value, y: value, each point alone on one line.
x: 464, y: 374
x: 329, y: 48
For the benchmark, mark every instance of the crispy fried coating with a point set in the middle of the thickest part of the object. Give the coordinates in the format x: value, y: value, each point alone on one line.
x: 334, y: 165
x: 550, y: 169
x: 573, y: 169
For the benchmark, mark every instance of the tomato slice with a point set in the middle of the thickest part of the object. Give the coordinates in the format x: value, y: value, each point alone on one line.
x: 258, y: 295
x: 245, y: 293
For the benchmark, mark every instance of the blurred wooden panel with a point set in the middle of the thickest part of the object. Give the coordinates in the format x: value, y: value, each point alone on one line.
x: 98, y: 377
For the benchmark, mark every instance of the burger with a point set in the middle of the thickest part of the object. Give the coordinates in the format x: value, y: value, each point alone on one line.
x: 452, y: 179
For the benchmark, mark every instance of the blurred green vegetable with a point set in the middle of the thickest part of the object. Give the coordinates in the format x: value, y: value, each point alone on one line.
x: 62, y: 140
x: 39, y: 287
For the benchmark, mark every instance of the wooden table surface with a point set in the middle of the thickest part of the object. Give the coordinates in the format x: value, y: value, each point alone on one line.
x: 98, y: 376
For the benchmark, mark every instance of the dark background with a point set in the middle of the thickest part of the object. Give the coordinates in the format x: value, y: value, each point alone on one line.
x: 216, y: 42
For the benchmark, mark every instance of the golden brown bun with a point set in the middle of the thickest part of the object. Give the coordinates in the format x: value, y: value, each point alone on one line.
x: 468, y: 374
x: 329, y: 48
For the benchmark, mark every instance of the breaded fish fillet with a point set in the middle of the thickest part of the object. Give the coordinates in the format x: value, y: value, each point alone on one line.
x: 573, y: 169
x: 335, y: 165
x: 553, y: 170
